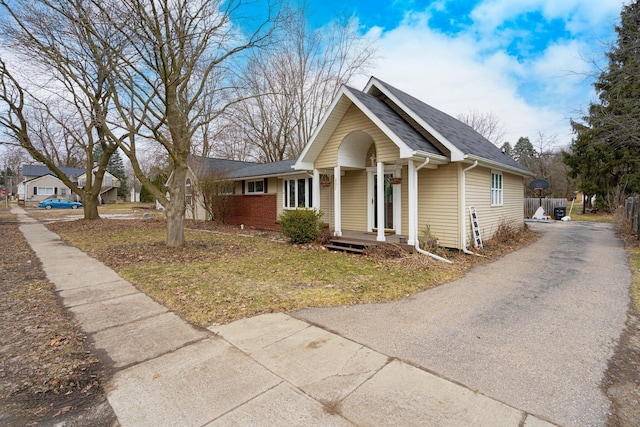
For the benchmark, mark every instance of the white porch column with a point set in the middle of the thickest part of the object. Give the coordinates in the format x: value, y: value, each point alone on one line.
x: 380, y: 207
x: 337, y: 214
x: 315, y: 190
x: 413, y: 203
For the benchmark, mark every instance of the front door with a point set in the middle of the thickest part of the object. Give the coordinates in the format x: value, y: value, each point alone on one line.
x: 388, y: 202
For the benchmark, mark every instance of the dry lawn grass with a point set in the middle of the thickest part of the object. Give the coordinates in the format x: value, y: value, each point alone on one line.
x: 220, y: 277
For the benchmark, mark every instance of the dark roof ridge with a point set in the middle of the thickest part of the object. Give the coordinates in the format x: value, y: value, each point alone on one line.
x: 461, y: 135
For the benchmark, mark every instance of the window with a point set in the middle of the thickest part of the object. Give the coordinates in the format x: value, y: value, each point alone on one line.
x: 63, y: 192
x: 496, y: 188
x: 43, y: 191
x: 255, y: 187
x: 298, y: 193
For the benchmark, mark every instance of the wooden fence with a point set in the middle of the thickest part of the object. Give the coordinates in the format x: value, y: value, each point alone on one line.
x: 531, y: 205
x: 632, y: 212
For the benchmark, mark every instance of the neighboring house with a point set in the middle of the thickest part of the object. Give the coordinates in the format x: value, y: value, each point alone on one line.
x: 382, y: 161
x: 40, y: 183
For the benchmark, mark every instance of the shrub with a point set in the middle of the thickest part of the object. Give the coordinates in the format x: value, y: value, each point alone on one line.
x: 507, y: 231
x: 301, y: 225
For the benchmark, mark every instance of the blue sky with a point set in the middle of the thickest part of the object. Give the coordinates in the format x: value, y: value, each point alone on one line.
x: 528, y: 62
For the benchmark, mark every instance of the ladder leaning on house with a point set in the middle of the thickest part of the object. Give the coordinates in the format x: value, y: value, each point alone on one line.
x: 477, y: 239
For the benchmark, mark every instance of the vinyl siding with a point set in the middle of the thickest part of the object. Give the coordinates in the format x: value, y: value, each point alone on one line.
x: 478, y: 189
x: 438, y: 196
x: 45, y: 181
x: 326, y: 204
x: 355, y: 120
x: 354, y: 200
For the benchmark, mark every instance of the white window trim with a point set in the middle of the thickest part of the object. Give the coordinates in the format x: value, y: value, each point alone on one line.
x: 307, y: 192
x: 497, y: 194
x: 246, y: 187
x: 40, y: 191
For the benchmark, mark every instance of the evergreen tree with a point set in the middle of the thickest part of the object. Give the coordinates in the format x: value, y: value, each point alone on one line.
x: 524, y: 153
x: 115, y: 168
x: 507, y: 149
x: 605, y: 154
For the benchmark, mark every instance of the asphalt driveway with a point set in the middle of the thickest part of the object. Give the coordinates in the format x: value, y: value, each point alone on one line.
x: 534, y: 330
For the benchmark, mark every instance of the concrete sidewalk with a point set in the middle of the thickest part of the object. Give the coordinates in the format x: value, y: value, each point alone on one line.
x: 266, y: 370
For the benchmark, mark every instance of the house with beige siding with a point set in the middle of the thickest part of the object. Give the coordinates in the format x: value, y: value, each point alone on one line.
x: 41, y: 183
x: 384, y: 163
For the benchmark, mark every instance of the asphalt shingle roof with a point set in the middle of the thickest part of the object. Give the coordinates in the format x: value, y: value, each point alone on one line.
x: 264, y: 169
x: 42, y: 170
x: 204, y: 166
x: 407, y: 133
x: 463, y: 136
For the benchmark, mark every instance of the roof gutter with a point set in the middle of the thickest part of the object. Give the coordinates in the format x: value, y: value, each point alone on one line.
x: 502, y: 166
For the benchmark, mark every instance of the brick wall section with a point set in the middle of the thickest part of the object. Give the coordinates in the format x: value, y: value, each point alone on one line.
x: 255, y: 211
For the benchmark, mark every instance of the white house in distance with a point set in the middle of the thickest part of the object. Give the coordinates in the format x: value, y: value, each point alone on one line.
x: 41, y: 183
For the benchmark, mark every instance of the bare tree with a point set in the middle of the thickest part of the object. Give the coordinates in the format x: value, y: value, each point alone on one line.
x: 216, y: 191
x: 58, y: 142
x: 12, y: 158
x: 486, y: 124
x: 69, y: 92
x: 294, y: 82
x: 179, y: 53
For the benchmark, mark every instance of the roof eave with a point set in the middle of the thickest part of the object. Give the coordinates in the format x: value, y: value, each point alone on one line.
x: 456, y: 154
x: 423, y: 154
x: 501, y: 166
x: 320, y: 135
x: 405, y: 150
x: 273, y: 175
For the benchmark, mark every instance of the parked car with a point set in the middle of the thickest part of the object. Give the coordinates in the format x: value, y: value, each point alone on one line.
x: 59, y: 203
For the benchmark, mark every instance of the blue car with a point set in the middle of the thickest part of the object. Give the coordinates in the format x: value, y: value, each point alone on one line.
x: 59, y: 203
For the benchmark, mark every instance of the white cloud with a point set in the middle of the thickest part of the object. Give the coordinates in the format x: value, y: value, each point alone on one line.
x: 469, y: 71
x: 579, y: 15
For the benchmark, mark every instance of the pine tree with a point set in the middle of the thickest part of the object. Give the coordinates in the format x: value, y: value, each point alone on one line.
x: 115, y: 168
x: 524, y: 153
x: 605, y: 154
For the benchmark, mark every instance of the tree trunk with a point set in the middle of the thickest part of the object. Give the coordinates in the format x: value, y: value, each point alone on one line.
x: 90, y: 206
x: 176, y: 208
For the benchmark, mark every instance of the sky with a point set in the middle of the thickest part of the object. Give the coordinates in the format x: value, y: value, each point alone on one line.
x: 530, y: 63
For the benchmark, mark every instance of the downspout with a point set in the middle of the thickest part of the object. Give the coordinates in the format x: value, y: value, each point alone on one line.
x: 417, y: 243
x: 463, y: 236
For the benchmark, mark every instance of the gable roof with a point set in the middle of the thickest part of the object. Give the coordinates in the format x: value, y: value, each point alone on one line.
x: 236, y: 169
x: 451, y: 132
x: 41, y: 170
x: 37, y: 178
x: 415, y: 127
x: 407, y: 133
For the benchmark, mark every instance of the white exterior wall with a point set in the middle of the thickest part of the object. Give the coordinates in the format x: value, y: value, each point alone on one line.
x: 47, y: 181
